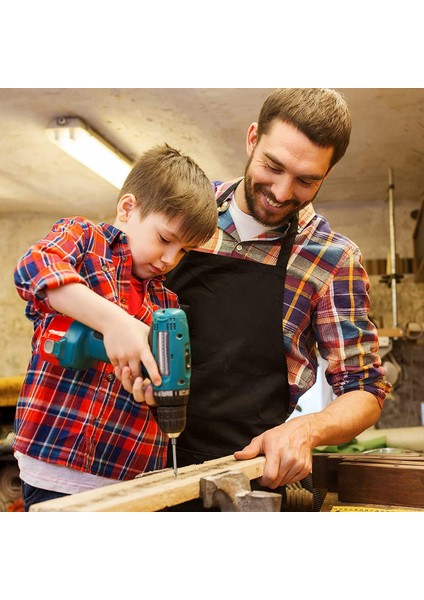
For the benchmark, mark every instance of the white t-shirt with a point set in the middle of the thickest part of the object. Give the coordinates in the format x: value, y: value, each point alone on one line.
x: 57, y: 478
x: 247, y: 227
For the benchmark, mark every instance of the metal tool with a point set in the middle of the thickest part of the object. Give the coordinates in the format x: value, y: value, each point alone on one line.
x: 230, y: 492
x: 72, y: 345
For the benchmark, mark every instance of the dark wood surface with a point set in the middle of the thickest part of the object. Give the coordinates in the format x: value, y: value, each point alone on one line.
x: 383, y: 479
x: 332, y: 503
x: 398, y: 484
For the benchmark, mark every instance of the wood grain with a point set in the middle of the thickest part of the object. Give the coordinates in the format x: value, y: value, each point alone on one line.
x: 398, y: 484
x: 151, y: 492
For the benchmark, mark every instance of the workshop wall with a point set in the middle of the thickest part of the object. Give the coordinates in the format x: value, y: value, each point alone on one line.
x: 17, y: 234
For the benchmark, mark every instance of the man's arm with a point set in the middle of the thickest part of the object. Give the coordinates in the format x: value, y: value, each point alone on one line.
x: 288, y: 447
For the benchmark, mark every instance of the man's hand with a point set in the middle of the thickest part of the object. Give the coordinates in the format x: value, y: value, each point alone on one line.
x: 288, y: 447
x: 288, y: 452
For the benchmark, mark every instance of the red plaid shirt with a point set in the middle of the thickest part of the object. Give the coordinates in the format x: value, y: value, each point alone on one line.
x: 85, y: 419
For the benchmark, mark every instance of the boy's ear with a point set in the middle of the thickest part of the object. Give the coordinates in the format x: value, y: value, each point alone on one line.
x: 125, y: 204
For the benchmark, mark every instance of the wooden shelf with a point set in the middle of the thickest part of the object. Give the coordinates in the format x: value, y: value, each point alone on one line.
x: 9, y: 389
x: 395, y: 332
x: 333, y: 504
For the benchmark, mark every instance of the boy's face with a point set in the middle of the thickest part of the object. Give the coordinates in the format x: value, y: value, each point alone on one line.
x: 154, y: 243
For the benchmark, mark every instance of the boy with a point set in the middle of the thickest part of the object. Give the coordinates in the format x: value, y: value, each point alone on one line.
x: 76, y: 430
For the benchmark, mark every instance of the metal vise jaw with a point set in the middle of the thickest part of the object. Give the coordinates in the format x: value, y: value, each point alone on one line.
x: 230, y: 492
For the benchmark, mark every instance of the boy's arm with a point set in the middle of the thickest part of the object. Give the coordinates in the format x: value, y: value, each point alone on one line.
x: 125, y: 338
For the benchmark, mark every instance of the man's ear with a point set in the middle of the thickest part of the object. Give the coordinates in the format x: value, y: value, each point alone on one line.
x: 328, y: 172
x: 125, y: 204
x: 251, y: 138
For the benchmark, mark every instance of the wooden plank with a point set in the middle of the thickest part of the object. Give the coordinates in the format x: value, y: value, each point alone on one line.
x: 152, y: 492
x: 325, y: 466
x: 324, y: 470
x: 395, y: 332
x: 332, y: 503
x: 389, y: 483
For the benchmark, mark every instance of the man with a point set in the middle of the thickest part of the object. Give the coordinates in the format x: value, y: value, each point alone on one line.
x: 273, y: 284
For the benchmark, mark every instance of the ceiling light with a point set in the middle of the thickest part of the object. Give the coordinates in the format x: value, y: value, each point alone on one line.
x: 76, y: 138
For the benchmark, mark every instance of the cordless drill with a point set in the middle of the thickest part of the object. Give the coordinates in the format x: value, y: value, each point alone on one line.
x: 72, y: 345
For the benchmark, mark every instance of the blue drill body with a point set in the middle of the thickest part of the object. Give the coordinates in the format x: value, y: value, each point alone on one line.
x: 73, y: 345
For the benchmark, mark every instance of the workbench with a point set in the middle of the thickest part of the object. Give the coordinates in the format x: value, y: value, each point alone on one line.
x: 333, y: 504
x: 370, y: 482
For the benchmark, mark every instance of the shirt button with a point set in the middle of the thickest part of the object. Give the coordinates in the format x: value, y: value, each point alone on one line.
x: 105, y: 268
x: 239, y: 247
x: 110, y: 377
x: 123, y: 301
x: 124, y: 258
x: 122, y: 237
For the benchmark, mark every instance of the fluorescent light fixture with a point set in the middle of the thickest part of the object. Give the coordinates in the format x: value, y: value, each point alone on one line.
x: 84, y: 144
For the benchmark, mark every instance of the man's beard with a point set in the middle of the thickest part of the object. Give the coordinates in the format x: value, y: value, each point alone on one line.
x: 269, y: 219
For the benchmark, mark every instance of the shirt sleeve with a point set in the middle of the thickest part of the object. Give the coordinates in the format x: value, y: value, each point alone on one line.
x: 52, y: 262
x: 346, y: 337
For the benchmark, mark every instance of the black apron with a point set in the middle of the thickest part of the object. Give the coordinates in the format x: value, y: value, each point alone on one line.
x: 239, y: 385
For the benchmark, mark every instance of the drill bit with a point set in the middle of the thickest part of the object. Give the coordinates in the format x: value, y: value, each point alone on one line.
x: 174, y: 455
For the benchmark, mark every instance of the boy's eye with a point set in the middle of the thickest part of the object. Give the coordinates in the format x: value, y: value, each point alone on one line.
x: 162, y: 239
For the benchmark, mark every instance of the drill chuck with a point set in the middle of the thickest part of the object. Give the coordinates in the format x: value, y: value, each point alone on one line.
x: 172, y: 411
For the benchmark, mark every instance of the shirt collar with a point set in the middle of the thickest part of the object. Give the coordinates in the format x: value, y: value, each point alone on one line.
x: 111, y: 233
x: 305, y: 217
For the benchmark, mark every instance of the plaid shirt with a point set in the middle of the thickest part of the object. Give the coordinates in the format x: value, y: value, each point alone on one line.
x: 85, y: 419
x: 326, y: 302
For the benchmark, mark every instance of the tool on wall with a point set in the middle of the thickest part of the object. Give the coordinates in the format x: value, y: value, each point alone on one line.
x: 392, y: 277
x: 70, y: 344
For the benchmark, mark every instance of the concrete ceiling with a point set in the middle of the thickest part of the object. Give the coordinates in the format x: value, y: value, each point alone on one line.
x: 210, y: 125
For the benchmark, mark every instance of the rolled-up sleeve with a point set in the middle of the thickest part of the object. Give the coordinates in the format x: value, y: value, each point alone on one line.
x: 51, y: 262
x: 346, y: 337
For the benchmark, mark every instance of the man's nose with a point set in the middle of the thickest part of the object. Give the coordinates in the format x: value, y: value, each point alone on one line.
x: 283, y: 188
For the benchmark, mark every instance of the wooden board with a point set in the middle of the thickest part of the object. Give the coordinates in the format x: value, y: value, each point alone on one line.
x: 332, y: 503
x: 325, y: 466
x: 152, y: 492
x: 398, y: 484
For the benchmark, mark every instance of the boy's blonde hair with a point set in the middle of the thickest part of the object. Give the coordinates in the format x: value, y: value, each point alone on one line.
x: 163, y: 180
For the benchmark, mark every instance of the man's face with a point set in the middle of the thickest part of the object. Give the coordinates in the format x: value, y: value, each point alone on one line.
x: 284, y: 173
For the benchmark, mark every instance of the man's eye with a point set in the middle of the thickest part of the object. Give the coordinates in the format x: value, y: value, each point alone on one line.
x: 274, y: 169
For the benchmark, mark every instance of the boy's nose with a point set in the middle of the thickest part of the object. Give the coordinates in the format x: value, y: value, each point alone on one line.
x: 170, y: 256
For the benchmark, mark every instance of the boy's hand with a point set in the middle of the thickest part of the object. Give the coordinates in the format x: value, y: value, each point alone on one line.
x: 126, y: 339
x: 127, y: 345
x: 142, y: 390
